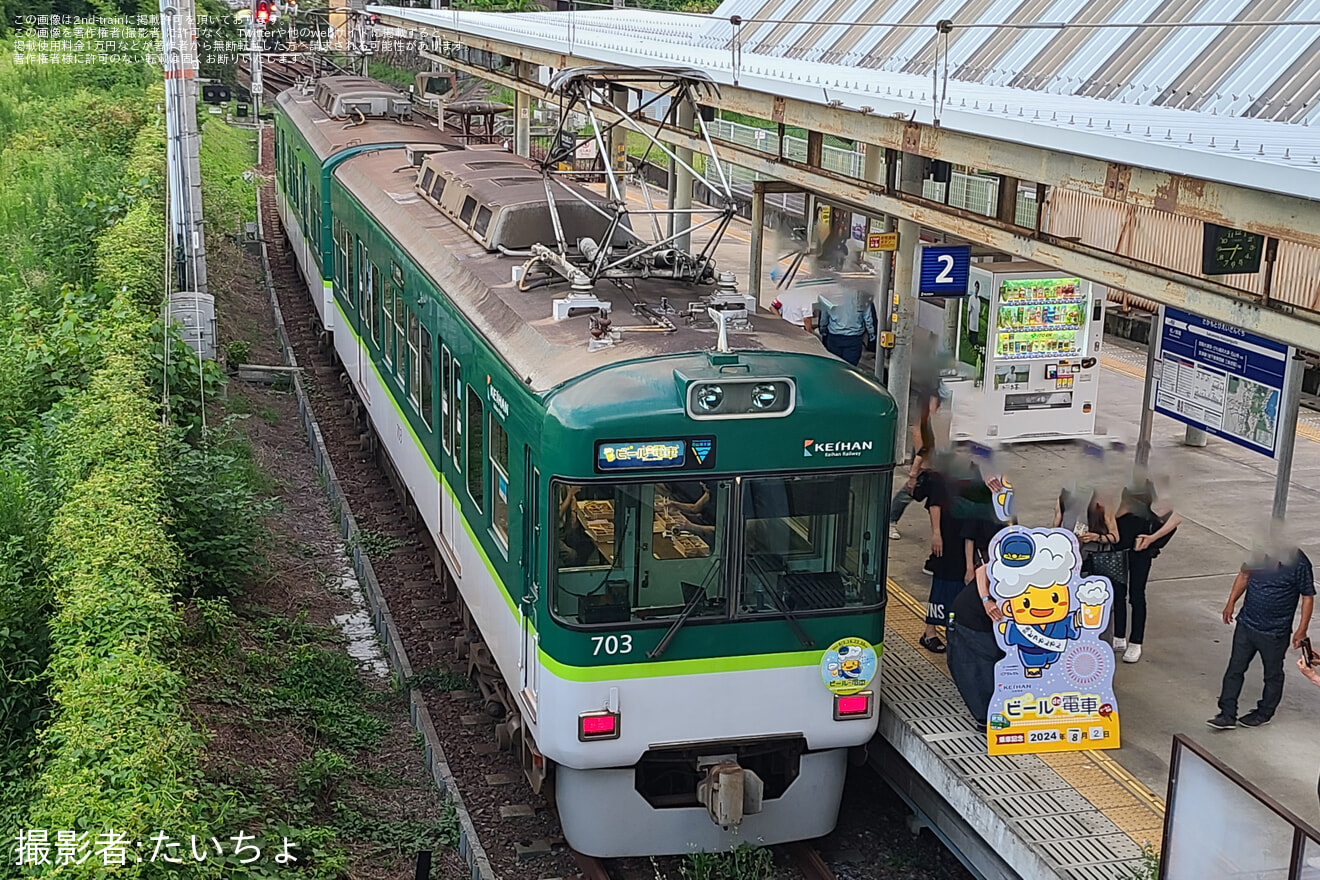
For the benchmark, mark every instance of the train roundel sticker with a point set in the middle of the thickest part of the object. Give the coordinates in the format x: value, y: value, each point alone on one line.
x: 848, y: 666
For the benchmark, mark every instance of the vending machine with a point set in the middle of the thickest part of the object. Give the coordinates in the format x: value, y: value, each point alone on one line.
x: 1032, y: 337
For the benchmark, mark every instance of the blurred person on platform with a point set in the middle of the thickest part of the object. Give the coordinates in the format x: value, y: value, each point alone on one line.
x: 846, y: 323
x: 1144, y: 528
x: 1079, y: 511
x: 1314, y: 677
x: 951, y: 477
x: 1273, y: 583
x: 796, y: 305
x: 973, y: 649
x: 931, y: 395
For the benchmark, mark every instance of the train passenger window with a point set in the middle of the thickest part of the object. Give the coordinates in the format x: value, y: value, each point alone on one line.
x: 387, y: 345
x: 475, y: 471
x: 414, y: 358
x: 427, y: 176
x: 458, y: 415
x: 350, y: 272
x: 437, y: 189
x: 446, y: 386
x: 427, y: 385
x: 499, y: 480
x: 400, y: 329
x: 640, y: 551
x: 811, y: 542
x: 376, y: 296
x: 469, y: 206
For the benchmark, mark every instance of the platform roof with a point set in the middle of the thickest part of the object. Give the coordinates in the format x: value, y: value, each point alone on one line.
x: 1232, y: 104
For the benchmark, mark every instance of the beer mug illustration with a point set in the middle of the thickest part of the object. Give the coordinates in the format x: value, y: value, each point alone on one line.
x: 1093, y: 595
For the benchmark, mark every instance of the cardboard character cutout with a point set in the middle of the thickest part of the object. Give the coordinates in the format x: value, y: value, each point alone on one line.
x: 1054, y: 687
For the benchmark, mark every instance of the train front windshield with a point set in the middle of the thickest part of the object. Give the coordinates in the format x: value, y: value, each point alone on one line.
x: 631, y: 552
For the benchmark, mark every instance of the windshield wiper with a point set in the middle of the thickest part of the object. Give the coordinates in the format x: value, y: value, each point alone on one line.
x: 698, y: 596
x: 789, y: 616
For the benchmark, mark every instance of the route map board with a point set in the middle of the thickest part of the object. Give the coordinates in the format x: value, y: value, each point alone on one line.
x: 1221, y: 379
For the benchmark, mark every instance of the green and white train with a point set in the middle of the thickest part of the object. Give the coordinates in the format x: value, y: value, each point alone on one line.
x: 674, y: 555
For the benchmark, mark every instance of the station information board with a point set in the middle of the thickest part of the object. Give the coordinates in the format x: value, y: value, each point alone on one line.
x: 1221, y: 379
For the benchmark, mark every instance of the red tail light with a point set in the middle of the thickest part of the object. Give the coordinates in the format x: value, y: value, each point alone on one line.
x: 598, y: 725
x: 853, y: 706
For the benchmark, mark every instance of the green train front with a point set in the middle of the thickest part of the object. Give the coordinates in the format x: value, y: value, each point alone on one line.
x: 716, y: 527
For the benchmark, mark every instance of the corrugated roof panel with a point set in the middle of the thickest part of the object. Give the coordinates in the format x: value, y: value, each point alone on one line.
x: 918, y: 39
x: 1064, y: 45
x: 887, y: 49
x: 1162, y: 67
x: 816, y: 12
x: 979, y: 64
x: 1099, y: 48
x: 1030, y: 43
x: 1297, y: 276
x: 1252, y: 77
x: 1297, y: 88
x: 827, y: 30
x: 1221, y: 57
x: 1117, y: 72
x: 768, y: 37
x: 965, y: 44
x: 858, y: 42
x: 925, y: 56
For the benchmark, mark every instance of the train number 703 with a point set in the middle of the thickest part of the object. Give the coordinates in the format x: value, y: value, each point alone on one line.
x: 612, y: 644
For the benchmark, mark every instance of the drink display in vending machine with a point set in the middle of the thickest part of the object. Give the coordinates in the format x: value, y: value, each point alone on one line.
x: 1032, y: 337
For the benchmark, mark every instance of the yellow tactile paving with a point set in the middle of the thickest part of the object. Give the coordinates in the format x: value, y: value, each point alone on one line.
x: 1310, y: 432
x: 1129, y: 804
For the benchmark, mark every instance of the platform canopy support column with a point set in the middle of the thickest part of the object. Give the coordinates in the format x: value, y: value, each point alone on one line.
x: 900, y: 364
x: 618, y: 156
x: 1283, y: 458
x: 873, y: 170
x: 522, y: 114
x: 755, y: 265
x: 682, y: 198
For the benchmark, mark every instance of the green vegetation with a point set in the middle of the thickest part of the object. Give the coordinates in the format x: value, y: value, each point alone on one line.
x: 225, y: 152
x: 743, y: 862
x: 1150, y: 864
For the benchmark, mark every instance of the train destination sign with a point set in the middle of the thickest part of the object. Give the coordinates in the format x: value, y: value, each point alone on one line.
x: 1220, y: 379
x: 690, y: 453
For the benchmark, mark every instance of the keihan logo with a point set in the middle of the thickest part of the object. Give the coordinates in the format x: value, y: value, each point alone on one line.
x: 836, y: 448
x: 701, y: 449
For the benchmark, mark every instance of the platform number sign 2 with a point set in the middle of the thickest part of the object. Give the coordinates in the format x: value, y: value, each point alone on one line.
x: 944, y: 270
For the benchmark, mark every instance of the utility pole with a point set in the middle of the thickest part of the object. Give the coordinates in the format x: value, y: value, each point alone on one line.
x: 178, y: 21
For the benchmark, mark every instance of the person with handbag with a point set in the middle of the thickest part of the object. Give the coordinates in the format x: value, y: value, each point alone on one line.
x: 1143, y: 533
x: 1079, y: 510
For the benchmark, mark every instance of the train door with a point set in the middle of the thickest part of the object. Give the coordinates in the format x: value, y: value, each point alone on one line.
x: 451, y: 413
x: 529, y: 662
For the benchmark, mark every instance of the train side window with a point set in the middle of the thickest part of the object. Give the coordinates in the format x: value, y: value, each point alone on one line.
x: 437, y: 189
x: 446, y: 389
x: 475, y: 471
x: 376, y: 296
x: 400, y: 340
x: 458, y: 415
x: 387, y: 305
x: 427, y: 176
x: 499, y: 480
x: 360, y: 261
x: 350, y: 271
x: 414, y: 358
x: 483, y: 221
x: 424, y: 379
x: 469, y: 206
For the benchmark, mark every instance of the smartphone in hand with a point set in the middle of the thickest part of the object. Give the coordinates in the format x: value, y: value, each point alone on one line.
x: 1308, y: 653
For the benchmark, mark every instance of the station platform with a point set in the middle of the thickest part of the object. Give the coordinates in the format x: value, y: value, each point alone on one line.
x: 1086, y: 815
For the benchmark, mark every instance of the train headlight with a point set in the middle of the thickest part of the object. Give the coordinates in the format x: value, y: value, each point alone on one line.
x: 764, y: 397
x: 741, y: 398
x: 709, y: 397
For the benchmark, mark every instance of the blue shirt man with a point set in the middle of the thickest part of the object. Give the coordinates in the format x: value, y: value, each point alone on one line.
x: 846, y: 324
x: 1273, y: 589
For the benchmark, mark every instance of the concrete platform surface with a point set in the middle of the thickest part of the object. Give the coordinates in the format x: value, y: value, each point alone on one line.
x: 1224, y: 494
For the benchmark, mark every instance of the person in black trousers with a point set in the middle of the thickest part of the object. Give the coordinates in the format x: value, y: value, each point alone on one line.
x: 1272, y: 587
x: 1141, y: 531
x: 973, y: 650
